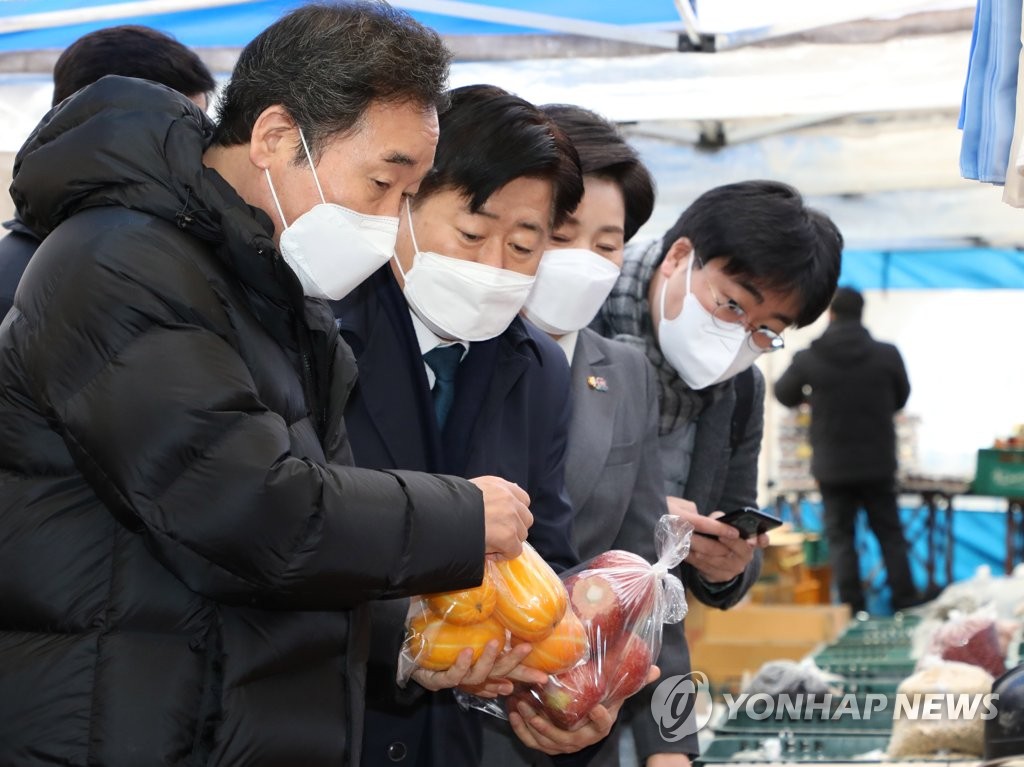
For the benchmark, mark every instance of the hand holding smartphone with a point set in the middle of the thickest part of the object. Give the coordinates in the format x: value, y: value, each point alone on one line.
x: 749, y: 521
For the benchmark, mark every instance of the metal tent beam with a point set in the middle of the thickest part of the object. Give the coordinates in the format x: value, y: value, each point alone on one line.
x: 628, y: 34
x: 824, y: 14
x: 108, y: 12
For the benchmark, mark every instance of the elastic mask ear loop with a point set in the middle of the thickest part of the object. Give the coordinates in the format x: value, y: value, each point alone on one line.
x: 309, y: 158
x: 412, y: 234
x: 273, y: 194
x: 664, y: 287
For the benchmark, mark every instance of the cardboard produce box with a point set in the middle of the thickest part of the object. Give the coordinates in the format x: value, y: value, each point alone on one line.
x: 724, y: 662
x: 744, y: 638
x: 815, y: 623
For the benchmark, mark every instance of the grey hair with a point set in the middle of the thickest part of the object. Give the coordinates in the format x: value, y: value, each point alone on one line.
x: 325, y: 64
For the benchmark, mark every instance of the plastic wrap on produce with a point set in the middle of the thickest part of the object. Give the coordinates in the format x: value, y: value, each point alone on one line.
x: 621, y: 601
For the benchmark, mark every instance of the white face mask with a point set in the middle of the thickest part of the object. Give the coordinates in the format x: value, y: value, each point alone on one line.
x: 330, y: 248
x: 462, y: 300
x: 702, y: 353
x: 571, y: 286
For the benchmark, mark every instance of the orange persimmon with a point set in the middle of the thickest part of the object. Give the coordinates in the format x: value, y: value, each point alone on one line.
x: 562, y: 649
x: 469, y: 606
x: 531, y: 598
x: 435, y: 644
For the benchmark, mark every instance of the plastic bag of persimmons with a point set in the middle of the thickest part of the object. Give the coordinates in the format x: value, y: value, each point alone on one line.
x: 595, y: 631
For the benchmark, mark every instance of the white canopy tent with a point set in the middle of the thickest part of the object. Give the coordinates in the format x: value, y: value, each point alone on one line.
x: 861, y: 117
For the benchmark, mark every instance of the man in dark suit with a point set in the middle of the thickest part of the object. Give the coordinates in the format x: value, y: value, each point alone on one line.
x: 468, y: 248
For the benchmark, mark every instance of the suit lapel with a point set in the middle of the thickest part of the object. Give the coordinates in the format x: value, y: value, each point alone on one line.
x: 593, y: 419
x: 393, y: 382
x: 486, y: 376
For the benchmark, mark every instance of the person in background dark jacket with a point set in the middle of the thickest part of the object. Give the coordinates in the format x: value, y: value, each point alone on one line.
x: 855, y: 385
x: 468, y: 248
x: 185, y: 545
x: 130, y: 51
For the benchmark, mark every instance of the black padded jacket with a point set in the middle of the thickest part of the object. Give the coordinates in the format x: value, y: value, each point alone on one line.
x: 184, y: 547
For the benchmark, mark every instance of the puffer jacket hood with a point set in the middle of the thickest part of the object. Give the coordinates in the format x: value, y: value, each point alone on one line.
x: 154, y: 167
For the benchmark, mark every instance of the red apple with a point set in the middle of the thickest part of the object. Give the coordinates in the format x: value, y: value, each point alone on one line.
x: 567, y: 698
x: 634, y: 580
x: 596, y: 602
x: 618, y: 558
x: 626, y: 667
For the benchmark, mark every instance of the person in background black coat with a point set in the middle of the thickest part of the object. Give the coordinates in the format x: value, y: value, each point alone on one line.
x: 185, y: 548
x: 129, y: 51
x: 855, y: 385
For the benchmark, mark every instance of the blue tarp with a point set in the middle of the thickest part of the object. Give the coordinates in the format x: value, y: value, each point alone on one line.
x: 234, y: 26
x: 979, y: 539
x: 966, y: 269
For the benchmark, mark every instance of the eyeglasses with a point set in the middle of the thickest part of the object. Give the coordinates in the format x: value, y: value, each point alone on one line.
x: 728, y: 314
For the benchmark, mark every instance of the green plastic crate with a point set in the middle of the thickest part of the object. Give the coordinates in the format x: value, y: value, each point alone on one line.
x: 866, y: 653
x: 862, y: 669
x: 901, y: 622
x: 871, y: 685
x: 1000, y: 472
x: 890, y: 638
x: 792, y: 748
x: 811, y: 721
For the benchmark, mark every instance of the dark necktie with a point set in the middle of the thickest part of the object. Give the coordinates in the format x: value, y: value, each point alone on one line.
x: 444, y: 361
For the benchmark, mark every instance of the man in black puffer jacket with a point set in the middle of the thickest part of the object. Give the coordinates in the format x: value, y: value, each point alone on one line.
x: 857, y: 385
x: 184, y: 547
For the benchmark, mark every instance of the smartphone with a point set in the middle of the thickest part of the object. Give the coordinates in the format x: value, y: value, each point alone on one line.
x: 750, y: 521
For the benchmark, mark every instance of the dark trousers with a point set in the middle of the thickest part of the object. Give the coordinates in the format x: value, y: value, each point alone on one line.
x: 878, y: 499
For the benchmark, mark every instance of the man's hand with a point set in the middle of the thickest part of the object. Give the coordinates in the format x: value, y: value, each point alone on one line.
x: 721, y: 560
x: 507, y: 516
x: 492, y: 674
x: 536, y: 731
x: 668, y: 760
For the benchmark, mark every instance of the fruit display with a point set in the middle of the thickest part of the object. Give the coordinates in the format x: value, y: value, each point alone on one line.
x: 519, y: 600
x: 622, y: 601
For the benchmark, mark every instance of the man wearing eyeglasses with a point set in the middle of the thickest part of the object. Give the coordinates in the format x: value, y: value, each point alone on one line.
x: 744, y: 262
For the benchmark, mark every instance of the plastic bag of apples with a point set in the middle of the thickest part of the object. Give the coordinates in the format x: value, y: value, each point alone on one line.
x: 621, y: 601
x: 519, y: 600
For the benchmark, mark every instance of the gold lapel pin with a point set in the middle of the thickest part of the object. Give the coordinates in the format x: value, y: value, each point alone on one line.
x: 597, y: 383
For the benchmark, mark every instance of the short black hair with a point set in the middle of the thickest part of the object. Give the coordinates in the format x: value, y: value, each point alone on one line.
x: 130, y: 50
x: 768, y: 236
x: 326, y: 64
x: 847, y: 304
x: 490, y: 137
x: 604, y: 153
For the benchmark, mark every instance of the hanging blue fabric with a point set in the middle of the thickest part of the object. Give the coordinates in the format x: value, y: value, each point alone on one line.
x: 989, y: 102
